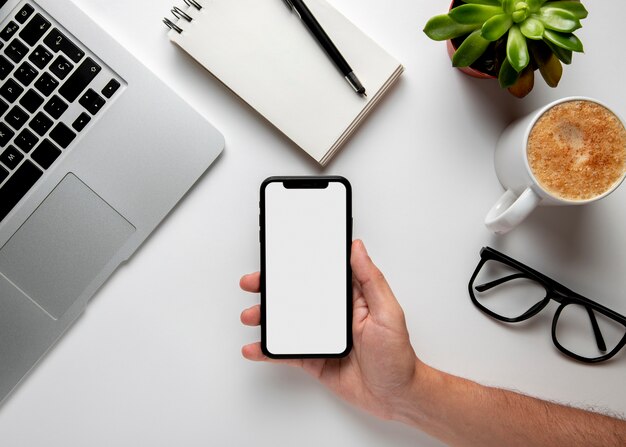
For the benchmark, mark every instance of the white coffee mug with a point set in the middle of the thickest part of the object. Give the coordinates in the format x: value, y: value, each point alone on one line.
x: 523, y: 192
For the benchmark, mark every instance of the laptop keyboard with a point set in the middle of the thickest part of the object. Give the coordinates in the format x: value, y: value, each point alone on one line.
x: 52, y: 90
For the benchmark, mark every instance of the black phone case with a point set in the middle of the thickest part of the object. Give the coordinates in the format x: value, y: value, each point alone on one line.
x: 307, y: 182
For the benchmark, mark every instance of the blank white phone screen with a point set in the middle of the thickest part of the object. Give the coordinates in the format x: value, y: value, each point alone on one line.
x: 305, y: 269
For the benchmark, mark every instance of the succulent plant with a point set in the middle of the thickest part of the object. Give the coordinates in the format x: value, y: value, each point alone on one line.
x: 516, y: 36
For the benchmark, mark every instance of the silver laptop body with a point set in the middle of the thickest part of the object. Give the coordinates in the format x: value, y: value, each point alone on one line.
x: 109, y: 151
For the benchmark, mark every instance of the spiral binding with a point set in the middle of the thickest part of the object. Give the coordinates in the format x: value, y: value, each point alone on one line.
x: 194, y: 3
x: 181, y: 15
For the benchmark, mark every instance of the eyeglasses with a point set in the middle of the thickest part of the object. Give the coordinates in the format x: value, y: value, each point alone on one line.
x: 510, y: 291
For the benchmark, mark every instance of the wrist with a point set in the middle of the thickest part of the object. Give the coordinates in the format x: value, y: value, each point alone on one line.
x: 413, y: 406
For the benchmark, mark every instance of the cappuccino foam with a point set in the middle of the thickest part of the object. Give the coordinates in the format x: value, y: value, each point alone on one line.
x: 577, y: 150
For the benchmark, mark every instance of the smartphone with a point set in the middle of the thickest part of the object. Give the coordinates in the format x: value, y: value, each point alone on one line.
x: 306, y: 280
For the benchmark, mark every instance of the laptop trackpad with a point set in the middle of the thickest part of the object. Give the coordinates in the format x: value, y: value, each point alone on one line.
x: 63, y: 246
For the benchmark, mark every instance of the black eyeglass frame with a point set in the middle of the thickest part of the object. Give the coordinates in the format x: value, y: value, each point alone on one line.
x: 554, y: 291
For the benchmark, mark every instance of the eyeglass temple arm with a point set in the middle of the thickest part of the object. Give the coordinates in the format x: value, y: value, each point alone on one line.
x: 596, y: 330
x: 491, y: 284
x: 594, y: 322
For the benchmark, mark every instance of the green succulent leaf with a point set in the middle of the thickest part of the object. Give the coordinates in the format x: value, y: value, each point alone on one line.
x: 496, y: 27
x: 534, y: 5
x: 484, y: 2
x: 564, y: 55
x: 567, y: 41
x: 473, y: 14
x: 470, y: 50
x: 532, y: 29
x: 516, y: 49
x: 507, y: 75
x: 520, y: 15
x: 560, y: 20
x: 576, y: 8
x: 509, y: 6
x: 442, y: 27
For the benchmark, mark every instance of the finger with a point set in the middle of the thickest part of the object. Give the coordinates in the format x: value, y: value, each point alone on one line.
x: 251, y: 282
x: 375, y: 288
x: 251, y: 316
x: 254, y: 352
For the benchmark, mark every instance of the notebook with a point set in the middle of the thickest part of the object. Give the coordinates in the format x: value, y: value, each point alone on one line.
x: 262, y: 52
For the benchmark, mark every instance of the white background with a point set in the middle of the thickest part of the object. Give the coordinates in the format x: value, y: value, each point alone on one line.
x: 156, y: 361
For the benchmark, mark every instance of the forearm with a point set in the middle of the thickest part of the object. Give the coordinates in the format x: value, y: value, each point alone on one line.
x: 464, y: 413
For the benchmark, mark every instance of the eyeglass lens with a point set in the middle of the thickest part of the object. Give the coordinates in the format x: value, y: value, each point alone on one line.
x: 574, y: 332
x: 502, y: 290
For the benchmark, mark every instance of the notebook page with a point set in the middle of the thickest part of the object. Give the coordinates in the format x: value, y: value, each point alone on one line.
x: 265, y: 54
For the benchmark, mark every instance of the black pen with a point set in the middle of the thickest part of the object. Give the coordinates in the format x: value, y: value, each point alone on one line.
x: 316, y: 29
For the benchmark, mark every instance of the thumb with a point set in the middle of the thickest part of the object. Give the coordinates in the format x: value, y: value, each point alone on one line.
x: 380, y: 299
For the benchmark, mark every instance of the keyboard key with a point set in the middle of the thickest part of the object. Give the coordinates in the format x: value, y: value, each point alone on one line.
x: 5, y: 67
x: 61, y: 67
x: 24, y: 13
x: 26, y: 74
x: 5, y: 134
x: 36, y: 28
x: 80, y: 79
x: 11, y: 157
x: 45, y: 154
x: 16, y: 50
x: 9, y: 31
x: 110, y: 89
x: 11, y: 90
x: 17, y: 186
x: 3, y: 174
x: 3, y: 107
x: 55, y: 107
x: 16, y: 118
x: 58, y: 42
x: 46, y: 84
x: 26, y: 140
x: 41, y: 124
x: 31, y: 101
x: 40, y: 57
x: 92, y: 102
x: 62, y: 135
x: 81, y: 122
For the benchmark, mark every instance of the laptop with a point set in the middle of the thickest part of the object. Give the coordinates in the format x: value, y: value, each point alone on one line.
x: 94, y: 152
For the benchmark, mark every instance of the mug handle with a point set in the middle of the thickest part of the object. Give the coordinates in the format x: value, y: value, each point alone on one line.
x: 510, y: 210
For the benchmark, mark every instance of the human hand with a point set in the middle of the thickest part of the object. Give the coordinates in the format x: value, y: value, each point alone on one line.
x: 383, y: 376
x: 382, y: 366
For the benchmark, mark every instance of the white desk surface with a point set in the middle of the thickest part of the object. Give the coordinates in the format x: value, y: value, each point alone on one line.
x: 155, y: 360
